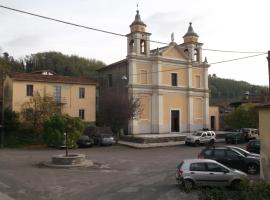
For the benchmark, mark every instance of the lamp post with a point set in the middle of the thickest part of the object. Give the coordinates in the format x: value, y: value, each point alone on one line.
x: 268, y: 59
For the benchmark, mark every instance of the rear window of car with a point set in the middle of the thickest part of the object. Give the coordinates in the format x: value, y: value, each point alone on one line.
x: 197, y: 167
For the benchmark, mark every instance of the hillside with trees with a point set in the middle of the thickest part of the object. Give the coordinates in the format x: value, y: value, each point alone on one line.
x: 61, y: 64
x: 227, y: 90
x: 221, y: 90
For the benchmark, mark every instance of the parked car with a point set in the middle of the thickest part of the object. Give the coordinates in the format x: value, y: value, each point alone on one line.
x: 103, y: 139
x: 85, y: 141
x: 206, y: 172
x: 235, y: 137
x: 250, y: 133
x: 254, y: 146
x: 201, y: 137
x: 232, y: 158
x: 102, y: 136
x: 244, y: 152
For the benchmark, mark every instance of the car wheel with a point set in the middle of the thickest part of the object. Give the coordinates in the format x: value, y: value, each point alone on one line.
x: 252, y: 168
x: 186, y: 143
x: 188, y: 184
x: 197, y: 143
x: 235, y: 184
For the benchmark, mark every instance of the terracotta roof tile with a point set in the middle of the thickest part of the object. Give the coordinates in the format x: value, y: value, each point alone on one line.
x: 51, y: 78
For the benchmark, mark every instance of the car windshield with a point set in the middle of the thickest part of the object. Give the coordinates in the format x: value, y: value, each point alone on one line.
x: 197, y: 133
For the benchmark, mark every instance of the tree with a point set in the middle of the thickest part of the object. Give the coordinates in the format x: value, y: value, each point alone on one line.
x: 245, y: 116
x: 57, y: 125
x: 117, y: 109
x: 11, y: 120
x: 37, y: 110
x: 63, y: 64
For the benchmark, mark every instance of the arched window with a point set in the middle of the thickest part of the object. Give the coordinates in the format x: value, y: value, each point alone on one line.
x: 186, y: 52
x: 196, y: 55
x: 131, y: 45
x: 143, y: 47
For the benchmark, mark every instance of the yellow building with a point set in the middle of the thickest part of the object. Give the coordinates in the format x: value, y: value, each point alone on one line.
x: 76, y: 96
x: 171, y: 82
x: 264, y: 128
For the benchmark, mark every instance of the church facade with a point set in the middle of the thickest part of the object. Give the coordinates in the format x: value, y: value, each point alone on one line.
x: 171, y: 82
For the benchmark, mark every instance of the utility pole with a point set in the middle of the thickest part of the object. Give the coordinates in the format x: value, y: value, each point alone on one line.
x: 268, y: 58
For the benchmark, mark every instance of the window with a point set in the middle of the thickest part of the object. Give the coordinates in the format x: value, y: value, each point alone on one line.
x: 213, y: 167
x: 196, y: 55
x: 174, y: 79
x: 197, y: 167
x: 197, y: 81
x: 57, y: 93
x: 29, y: 90
x: 81, y: 114
x: 143, y: 75
x: 143, y: 47
x: 110, y: 83
x: 232, y: 154
x: 131, y: 45
x: 81, y: 93
x: 219, y: 153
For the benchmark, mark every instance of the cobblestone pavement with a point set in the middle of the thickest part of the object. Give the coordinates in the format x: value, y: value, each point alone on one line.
x: 123, y: 173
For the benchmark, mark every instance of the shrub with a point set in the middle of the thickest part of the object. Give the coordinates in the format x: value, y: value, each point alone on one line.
x: 57, y: 125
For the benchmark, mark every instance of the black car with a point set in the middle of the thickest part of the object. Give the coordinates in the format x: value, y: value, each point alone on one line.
x: 254, y: 146
x: 85, y: 141
x: 101, y: 139
x: 235, y: 137
x: 232, y: 158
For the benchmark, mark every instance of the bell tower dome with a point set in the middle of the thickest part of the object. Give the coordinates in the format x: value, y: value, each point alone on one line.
x: 138, y: 40
x: 191, y: 46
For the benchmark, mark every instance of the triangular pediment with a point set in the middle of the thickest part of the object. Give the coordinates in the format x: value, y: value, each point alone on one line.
x: 173, y: 51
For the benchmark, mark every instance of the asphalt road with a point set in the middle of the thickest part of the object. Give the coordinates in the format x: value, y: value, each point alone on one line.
x: 122, y: 173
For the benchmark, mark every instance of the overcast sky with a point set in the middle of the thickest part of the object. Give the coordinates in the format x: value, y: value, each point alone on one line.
x: 238, y: 25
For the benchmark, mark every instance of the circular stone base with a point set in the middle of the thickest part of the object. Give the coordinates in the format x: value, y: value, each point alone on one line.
x: 72, y: 160
x: 86, y: 163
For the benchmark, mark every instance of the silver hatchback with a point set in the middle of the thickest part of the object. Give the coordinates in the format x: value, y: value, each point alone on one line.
x: 206, y: 172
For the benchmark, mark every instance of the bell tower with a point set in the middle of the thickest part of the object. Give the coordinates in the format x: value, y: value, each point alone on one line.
x: 138, y: 40
x: 191, y: 46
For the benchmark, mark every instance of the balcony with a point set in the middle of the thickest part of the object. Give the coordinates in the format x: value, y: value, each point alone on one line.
x: 60, y: 100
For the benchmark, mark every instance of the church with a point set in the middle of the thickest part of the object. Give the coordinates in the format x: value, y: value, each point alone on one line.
x: 171, y: 82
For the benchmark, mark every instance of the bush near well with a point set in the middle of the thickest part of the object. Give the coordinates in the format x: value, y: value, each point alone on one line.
x: 57, y: 125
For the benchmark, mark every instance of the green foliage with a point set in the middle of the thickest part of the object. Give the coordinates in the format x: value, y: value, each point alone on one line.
x: 249, y: 190
x: 9, y: 64
x: 37, y: 110
x: 11, y: 120
x: 245, y: 116
x: 63, y: 64
x: 228, y: 90
x: 57, y: 125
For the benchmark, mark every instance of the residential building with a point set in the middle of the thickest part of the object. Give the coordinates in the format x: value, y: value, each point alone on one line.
x: 75, y: 96
x: 264, y: 129
x: 171, y: 82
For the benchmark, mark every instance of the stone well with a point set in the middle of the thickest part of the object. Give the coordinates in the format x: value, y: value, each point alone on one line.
x: 72, y: 160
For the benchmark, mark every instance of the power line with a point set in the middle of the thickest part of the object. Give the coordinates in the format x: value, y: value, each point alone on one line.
x: 237, y: 59
x: 225, y: 51
x: 105, y: 31
x: 175, y: 69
